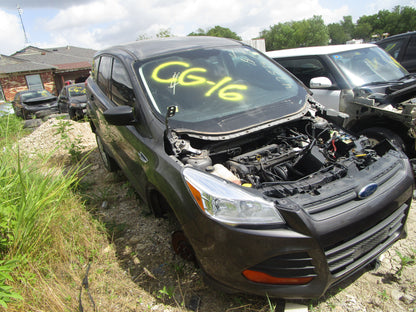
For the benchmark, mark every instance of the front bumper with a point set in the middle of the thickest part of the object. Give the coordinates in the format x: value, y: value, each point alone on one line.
x: 328, y: 244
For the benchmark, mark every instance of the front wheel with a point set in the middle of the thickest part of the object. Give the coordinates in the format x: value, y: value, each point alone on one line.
x: 109, y: 163
x: 378, y: 134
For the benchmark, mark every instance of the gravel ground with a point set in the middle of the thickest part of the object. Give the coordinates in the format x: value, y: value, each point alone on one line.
x: 144, y: 250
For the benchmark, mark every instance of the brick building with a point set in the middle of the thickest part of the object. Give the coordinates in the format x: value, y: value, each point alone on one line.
x: 34, y: 68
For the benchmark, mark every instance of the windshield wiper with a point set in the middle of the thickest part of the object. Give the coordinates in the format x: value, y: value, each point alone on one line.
x: 375, y: 83
x: 411, y: 75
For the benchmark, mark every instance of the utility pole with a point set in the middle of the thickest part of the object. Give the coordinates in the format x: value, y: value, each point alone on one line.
x: 20, y: 11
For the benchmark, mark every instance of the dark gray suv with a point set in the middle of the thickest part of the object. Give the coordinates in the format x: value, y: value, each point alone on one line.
x: 271, y: 197
x: 403, y: 48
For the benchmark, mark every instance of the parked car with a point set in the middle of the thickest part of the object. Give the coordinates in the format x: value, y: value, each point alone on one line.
x: 6, y: 109
x: 362, y: 80
x: 73, y: 100
x: 34, y: 103
x: 403, y: 48
x: 271, y: 197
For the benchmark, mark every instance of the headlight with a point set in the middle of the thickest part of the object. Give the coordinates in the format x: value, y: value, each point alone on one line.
x: 229, y: 203
x: 78, y: 105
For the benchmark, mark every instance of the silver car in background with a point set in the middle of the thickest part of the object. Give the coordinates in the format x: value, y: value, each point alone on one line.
x: 377, y: 95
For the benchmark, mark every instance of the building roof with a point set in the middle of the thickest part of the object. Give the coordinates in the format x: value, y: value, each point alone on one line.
x: 10, y: 65
x: 34, y: 59
x: 65, y: 58
x: 321, y: 50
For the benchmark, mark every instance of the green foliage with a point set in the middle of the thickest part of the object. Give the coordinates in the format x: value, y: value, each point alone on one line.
x: 73, y: 146
x: 11, y: 128
x: 166, y: 292
x: 305, y: 33
x: 272, y: 306
x: 29, y: 198
x: 401, y: 19
x: 405, y: 261
x: 217, y: 31
x: 6, y: 292
x: 164, y: 33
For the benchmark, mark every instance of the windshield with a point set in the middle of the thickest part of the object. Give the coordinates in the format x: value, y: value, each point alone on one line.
x: 35, y: 94
x: 77, y: 90
x: 220, y: 89
x: 369, y: 65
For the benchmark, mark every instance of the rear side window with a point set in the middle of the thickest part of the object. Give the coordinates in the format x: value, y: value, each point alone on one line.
x: 393, y: 47
x: 94, y: 68
x: 104, y: 73
x: 121, y: 88
x: 411, y: 50
x: 305, y: 68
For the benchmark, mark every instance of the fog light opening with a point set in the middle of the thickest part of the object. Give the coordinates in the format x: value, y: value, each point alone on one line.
x: 264, y: 278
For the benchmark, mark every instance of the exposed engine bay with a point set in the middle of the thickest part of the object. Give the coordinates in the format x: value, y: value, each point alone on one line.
x: 292, y: 158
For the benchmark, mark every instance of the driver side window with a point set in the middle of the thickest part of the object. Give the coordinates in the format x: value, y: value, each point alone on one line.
x: 305, y: 69
x: 121, y: 88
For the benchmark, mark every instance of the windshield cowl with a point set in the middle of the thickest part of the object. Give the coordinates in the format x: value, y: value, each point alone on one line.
x: 219, y: 136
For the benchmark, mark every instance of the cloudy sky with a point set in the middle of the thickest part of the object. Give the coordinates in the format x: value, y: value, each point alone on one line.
x: 100, y: 23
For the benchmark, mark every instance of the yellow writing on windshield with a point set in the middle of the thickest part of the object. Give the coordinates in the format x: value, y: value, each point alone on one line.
x: 189, y: 77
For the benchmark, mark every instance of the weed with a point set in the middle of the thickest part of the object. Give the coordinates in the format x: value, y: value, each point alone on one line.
x: 166, y: 292
x: 404, y: 262
x: 73, y: 146
x: 384, y: 296
x: 272, y: 306
x: 114, y: 229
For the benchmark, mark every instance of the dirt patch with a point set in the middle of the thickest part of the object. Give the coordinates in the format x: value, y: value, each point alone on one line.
x: 143, y: 247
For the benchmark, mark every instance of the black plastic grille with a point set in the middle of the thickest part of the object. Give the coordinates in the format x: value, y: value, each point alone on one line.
x: 332, y: 202
x: 346, y: 256
x: 288, y: 265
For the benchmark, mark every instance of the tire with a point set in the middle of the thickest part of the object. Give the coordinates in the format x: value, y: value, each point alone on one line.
x: 109, y: 163
x: 17, y: 111
x: 72, y: 114
x: 378, y: 134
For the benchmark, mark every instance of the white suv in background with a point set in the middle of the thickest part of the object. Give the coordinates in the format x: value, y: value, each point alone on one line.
x: 363, y: 81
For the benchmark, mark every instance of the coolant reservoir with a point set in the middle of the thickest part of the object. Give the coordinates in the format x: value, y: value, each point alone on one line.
x: 222, y: 172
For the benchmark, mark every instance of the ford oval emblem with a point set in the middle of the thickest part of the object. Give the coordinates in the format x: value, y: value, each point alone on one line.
x: 367, y: 190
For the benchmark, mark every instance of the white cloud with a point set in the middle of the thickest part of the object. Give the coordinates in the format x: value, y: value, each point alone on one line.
x: 11, y: 37
x: 86, y: 15
x: 101, y: 23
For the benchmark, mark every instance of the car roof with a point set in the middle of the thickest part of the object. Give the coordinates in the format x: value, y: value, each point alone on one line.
x: 31, y: 91
x: 320, y: 50
x: 409, y: 33
x: 144, y: 49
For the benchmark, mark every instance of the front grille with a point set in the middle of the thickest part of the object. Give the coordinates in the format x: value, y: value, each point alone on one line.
x: 288, y: 265
x: 346, y: 256
x: 342, y: 195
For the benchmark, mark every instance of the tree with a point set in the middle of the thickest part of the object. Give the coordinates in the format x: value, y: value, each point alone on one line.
x: 337, y: 33
x: 310, y: 32
x: 163, y: 33
x: 348, y: 27
x: 217, y: 31
x: 399, y: 20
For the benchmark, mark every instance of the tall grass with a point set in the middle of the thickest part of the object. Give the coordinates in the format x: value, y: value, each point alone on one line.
x: 31, y: 197
x: 48, y: 240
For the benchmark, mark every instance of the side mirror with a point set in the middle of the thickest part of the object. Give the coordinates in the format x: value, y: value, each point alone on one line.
x: 320, y: 83
x: 120, y: 116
